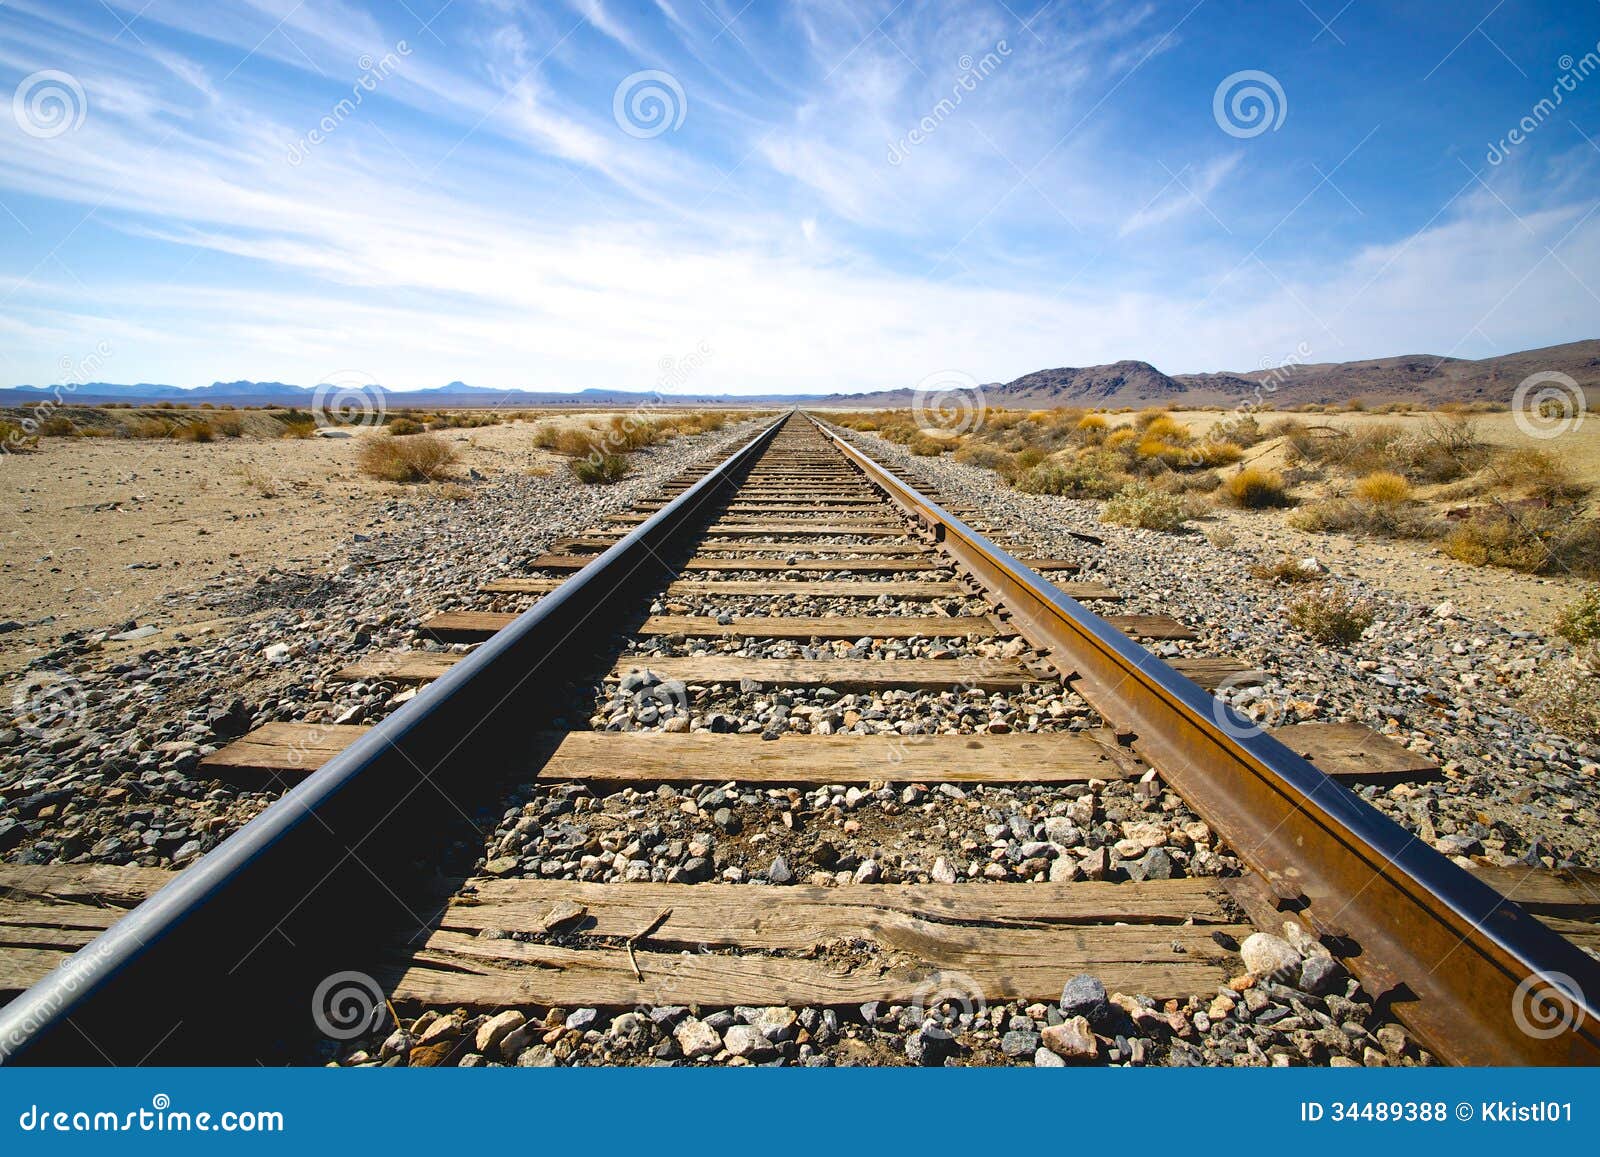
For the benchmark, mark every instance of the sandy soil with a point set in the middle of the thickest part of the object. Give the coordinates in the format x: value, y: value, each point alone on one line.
x: 94, y: 532
x: 1416, y: 570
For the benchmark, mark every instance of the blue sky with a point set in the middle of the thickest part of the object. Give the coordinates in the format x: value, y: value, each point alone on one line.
x: 803, y: 197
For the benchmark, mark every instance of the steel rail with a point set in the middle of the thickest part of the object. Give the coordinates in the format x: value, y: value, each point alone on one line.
x: 1476, y: 977
x: 313, y: 885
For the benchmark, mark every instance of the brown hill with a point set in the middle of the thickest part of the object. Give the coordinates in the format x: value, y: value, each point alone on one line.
x: 1422, y: 378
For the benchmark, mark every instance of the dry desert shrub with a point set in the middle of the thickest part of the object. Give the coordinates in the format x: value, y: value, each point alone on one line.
x: 195, y: 432
x: 403, y: 426
x: 1562, y: 695
x: 1330, y: 616
x: 419, y: 458
x: 16, y: 439
x: 1286, y: 570
x: 1579, y: 622
x: 600, y: 469
x: 1143, y: 505
x: 1382, y: 488
x: 1256, y: 489
x: 1534, y: 540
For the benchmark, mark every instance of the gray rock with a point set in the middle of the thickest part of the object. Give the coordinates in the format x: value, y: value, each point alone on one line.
x: 1083, y: 995
x: 745, y: 1040
x: 1019, y: 1044
x: 1043, y: 1058
x: 1321, y: 974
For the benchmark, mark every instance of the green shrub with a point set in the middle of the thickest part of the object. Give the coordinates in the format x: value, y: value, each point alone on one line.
x: 404, y: 427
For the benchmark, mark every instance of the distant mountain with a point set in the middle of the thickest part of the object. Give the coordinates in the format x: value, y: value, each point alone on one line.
x: 1413, y: 377
x: 452, y: 394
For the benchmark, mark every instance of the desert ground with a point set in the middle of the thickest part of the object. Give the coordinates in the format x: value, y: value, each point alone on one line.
x: 108, y: 534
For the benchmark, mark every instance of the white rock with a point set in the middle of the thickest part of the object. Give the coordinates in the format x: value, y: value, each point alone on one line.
x: 696, y: 1038
x: 1267, y: 955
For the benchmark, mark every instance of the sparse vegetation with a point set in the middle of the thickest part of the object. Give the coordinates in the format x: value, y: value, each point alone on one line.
x: 419, y: 458
x: 1579, y: 622
x: 403, y: 426
x: 1530, y: 539
x: 1330, y: 616
x: 1383, y: 488
x: 1286, y: 570
x: 1255, y: 489
x: 600, y: 469
x: 15, y: 439
x: 1562, y: 695
x: 1142, y: 505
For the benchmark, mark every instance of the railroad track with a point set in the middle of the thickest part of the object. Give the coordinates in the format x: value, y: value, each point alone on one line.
x: 797, y: 567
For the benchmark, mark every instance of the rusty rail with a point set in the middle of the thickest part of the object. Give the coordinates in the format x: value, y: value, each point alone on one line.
x: 1476, y: 977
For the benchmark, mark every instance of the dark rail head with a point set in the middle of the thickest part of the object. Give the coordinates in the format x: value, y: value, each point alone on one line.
x: 1467, y: 966
x: 222, y: 964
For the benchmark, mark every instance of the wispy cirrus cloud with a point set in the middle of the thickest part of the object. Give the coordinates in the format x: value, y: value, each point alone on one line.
x: 480, y: 214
